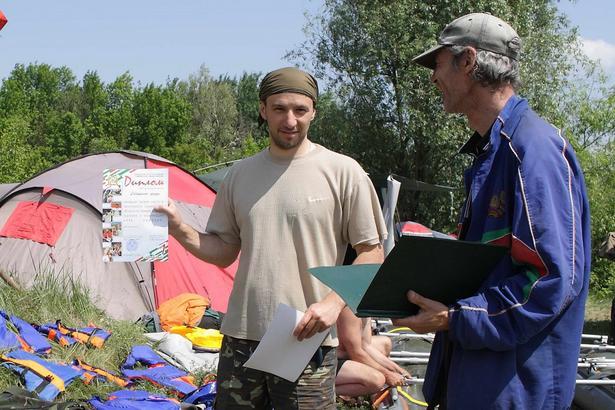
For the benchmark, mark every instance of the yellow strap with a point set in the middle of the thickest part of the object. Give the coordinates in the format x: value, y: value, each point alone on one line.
x: 38, y: 369
x: 399, y: 329
x: 410, y: 398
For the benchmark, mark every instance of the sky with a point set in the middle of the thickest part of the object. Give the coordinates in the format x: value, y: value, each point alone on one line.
x: 158, y: 40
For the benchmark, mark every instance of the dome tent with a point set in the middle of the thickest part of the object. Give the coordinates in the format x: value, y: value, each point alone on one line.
x: 123, y: 290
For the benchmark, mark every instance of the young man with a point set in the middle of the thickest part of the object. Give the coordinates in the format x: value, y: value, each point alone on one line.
x: 515, y: 343
x: 293, y: 206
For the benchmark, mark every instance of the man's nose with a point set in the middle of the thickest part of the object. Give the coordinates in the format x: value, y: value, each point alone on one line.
x: 433, y: 77
x: 290, y: 120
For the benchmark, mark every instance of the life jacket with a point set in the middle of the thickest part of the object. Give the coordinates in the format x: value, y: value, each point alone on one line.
x: 52, y: 333
x: 157, y: 371
x: 135, y: 399
x: 184, y: 309
x: 25, y: 336
x: 67, y: 336
x: 45, y: 378
x: 91, y: 373
x: 206, y: 394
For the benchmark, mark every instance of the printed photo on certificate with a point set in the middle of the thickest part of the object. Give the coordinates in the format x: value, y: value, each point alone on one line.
x: 131, y: 230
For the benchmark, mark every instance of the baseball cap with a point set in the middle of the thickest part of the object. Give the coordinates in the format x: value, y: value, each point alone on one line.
x: 480, y: 30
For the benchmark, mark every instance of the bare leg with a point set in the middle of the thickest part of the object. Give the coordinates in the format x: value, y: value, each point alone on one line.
x: 356, y: 379
x: 383, y: 344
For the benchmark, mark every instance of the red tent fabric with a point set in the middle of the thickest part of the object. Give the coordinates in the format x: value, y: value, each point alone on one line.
x: 39, y: 222
x: 186, y: 272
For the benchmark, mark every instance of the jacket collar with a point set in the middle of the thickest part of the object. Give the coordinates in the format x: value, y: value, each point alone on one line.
x: 506, y: 121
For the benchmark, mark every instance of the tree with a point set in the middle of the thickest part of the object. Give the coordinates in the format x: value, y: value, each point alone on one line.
x: 162, y: 118
x: 18, y: 160
x: 364, y: 48
x: 384, y: 112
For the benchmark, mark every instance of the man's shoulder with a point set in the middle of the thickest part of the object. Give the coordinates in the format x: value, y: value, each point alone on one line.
x: 247, y: 163
x: 534, y: 134
x: 338, y: 159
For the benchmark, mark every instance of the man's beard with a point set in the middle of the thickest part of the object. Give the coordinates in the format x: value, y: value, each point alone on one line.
x: 285, y: 144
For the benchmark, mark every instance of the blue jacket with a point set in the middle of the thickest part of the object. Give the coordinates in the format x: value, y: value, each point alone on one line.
x: 515, y: 344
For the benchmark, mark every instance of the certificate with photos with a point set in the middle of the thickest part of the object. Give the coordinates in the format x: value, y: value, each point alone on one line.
x: 131, y: 230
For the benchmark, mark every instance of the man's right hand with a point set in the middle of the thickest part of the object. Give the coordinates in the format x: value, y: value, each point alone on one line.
x: 393, y: 378
x: 173, y: 216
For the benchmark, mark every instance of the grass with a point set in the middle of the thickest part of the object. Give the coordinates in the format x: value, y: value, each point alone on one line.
x: 597, y: 316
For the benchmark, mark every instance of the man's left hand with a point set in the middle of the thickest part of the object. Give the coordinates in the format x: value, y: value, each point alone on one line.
x: 432, y: 316
x: 318, y: 317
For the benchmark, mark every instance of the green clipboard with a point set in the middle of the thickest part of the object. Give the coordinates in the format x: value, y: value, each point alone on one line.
x: 445, y: 270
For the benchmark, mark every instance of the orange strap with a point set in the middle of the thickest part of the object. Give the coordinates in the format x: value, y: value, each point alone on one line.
x: 111, y: 377
x: 381, y: 398
x: 38, y: 369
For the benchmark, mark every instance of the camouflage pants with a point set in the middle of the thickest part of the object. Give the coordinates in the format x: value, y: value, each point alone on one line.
x: 243, y: 388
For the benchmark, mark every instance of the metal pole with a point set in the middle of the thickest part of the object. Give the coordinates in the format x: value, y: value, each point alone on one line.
x: 596, y: 382
x: 609, y: 348
x: 409, y: 354
x: 408, y: 335
x: 410, y: 360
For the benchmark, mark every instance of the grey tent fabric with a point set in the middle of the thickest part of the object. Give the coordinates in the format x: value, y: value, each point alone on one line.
x: 6, y: 188
x: 76, y: 177
x: 115, y: 287
x: 215, y: 178
x: 123, y: 290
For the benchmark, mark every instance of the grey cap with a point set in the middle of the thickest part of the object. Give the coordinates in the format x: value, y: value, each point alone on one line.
x: 479, y: 30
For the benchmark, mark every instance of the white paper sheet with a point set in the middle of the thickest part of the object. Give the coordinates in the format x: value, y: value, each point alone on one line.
x: 279, y: 352
x: 390, y: 204
x: 131, y: 230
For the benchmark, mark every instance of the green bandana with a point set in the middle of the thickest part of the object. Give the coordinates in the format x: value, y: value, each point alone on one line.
x: 288, y: 80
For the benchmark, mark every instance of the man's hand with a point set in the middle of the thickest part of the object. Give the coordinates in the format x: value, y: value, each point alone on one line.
x: 173, y: 216
x: 393, y: 378
x: 432, y: 316
x: 319, y: 317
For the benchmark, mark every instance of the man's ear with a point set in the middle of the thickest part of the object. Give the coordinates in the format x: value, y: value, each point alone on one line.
x: 469, y: 60
x: 313, y: 115
x: 261, y: 110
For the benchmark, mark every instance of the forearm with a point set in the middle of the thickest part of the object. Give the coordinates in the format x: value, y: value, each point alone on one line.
x: 208, y: 247
x: 382, y: 359
x: 362, y: 356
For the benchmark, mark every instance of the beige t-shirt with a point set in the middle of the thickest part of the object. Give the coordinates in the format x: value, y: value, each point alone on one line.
x: 289, y: 216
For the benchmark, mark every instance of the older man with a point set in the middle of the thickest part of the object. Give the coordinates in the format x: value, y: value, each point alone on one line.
x: 515, y: 343
x: 293, y: 206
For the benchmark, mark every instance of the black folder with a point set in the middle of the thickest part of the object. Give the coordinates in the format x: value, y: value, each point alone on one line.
x: 445, y: 270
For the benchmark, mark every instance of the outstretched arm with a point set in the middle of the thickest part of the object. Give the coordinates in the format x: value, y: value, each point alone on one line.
x: 208, y: 247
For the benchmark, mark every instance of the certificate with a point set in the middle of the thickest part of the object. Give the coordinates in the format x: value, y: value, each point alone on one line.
x: 131, y: 230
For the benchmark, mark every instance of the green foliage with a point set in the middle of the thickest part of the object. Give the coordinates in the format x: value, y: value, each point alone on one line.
x: 47, y: 117
x: 17, y: 159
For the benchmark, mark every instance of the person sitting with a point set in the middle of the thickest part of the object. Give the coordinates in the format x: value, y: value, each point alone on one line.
x: 363, y: 366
